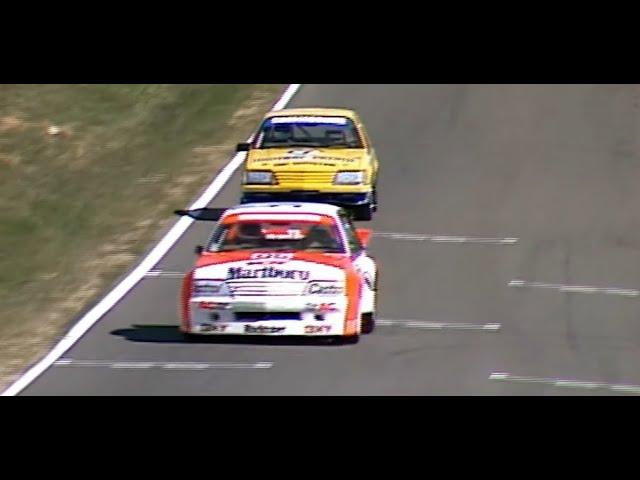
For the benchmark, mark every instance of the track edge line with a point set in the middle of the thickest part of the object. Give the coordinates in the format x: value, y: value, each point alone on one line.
x: 111, y: 299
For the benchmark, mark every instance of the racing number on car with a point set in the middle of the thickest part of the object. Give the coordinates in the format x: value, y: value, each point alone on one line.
x: 270, y: 258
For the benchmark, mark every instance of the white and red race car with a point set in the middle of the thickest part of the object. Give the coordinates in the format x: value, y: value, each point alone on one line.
x: 280, y: 269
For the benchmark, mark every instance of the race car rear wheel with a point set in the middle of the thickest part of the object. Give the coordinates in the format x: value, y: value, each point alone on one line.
x: 374, y: 207
x: 350, y: 339
x: 189, y: 337
x: 363, y: 213
x: 368, y: 323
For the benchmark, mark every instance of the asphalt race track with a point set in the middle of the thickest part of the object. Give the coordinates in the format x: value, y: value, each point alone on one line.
x: 521, y: 277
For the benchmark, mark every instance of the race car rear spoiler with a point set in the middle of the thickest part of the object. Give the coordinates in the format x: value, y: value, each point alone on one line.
x: 202, y: 214
x: 214, y: 214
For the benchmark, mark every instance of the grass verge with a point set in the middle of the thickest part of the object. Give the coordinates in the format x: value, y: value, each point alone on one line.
x: 87, y: 176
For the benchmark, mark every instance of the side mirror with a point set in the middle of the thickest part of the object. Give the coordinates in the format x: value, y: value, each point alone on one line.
x: 199, y: 249
x: 243, y: 147
x: 364, y: 235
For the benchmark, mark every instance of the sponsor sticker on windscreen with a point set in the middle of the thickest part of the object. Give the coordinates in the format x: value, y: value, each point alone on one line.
x: 327, y: 120
x: 282, y: 234
x: 282, y: 217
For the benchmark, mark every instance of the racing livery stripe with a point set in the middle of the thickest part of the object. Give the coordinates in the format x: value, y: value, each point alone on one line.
x: 353, y: 292
x: 300, y: 217
x: 309, y: 119
x: 185, y: 314
x: 216, y: 258
x: 340, y: 261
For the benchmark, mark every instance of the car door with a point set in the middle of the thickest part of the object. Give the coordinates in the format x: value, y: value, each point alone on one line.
x: 362, y: 261
x: 364, y: 264
x: 372, y: 156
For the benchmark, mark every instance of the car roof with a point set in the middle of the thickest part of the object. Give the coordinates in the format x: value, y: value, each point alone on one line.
x: 315, y: 111
x: 285, y: 207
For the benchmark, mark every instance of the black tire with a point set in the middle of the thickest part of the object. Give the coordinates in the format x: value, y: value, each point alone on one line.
x: 374, y: 207
x: 363, y: 213
x: 189, y: 337
x: 368, y: 323
x: 350, y: 340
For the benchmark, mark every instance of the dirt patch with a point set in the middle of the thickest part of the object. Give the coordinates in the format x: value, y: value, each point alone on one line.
x: 11, y: 123
x: 9, y: 160
x: 210, y: 150
x: 252, y: 108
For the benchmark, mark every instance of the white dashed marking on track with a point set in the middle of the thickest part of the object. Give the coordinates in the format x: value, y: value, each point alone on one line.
x: 66, y: 362
x: 129, y: 365
x: 487, y: 327
x: 446, y: 238
x: 162, y: 274
x: 575, y: 288
x: 576, y: 384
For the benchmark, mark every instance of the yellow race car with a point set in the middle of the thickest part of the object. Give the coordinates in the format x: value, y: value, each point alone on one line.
x: 321, y: 155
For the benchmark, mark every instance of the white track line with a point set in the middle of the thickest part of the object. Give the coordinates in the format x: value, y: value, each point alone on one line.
x: 445, y: 238
x: 553, y: 382
x: 575, y: 288
x: 163, y: 274
x: 487, y: 327
x: 162, y: 365
x: 160, y: 250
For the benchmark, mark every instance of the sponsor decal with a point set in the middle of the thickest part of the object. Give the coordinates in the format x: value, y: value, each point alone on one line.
x: 366, y: 277
x: 320, y: 158
x: 282, y: 234
x: 263, y: 329
x: 234, y: 273
x: 311, y: 329
x: 322, y: 307
x: 319, y: 164
x: 301, y: 153
x: 368, y: 280
x: 213, y: 328
x: 309, y: 157
x: 309, y: 119
x: 314, y: 160
x: 319, y: 289
x: 214, y: 306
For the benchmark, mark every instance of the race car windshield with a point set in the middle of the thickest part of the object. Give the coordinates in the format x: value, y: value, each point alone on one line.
x: 276, y: 236
x: 313, y: 132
